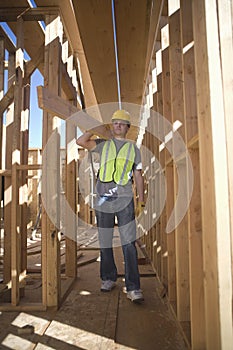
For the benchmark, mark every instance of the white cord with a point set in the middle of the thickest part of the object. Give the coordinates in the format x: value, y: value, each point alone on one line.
x: 116, y: 55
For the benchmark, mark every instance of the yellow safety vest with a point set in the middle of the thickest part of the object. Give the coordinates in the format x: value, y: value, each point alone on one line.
x: 116, y: 166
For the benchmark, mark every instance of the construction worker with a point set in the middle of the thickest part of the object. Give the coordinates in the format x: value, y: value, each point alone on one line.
x: 120, y: 159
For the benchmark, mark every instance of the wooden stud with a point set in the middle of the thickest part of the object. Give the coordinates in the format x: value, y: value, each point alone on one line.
x: 197, y: 314
x: 15, y: 246
x: 157, y: 198
x: 225, y: 15
x: 163, y: 219
x: 197, y: 302
x: 7, y: 183
x: 177, y: 108
x: 171, y: 253
x: 51, y: 180
x: 71, y: 222
x: 214, y: 176
x: 15, y: 209
x: 24, y: 141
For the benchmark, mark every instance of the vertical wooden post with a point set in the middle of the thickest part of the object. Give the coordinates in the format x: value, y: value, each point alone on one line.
x: 7, y: 183
x: 70, y: 216
x: 214, y: 176
x: 169, y: 177
x: 71, y: 222
x: 162, y: 219
x: 197, y: 314
x: 177, y: 108
x: 155, y: 184
x: 225, y: 16
x: 150, y: 153
x: 157, y: 197
x: 24, y: 140
x: 51, y: 170
x: 15, y: 209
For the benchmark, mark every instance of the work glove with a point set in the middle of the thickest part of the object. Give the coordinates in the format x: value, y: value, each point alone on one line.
x: 140, y: 208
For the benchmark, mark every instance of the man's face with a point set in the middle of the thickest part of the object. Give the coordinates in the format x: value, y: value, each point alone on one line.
x: 120, y: 128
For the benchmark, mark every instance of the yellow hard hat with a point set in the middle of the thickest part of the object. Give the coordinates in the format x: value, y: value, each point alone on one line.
x: 121, y: 114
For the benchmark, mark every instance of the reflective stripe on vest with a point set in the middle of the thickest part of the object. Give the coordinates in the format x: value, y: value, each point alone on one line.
x: 115, y: 166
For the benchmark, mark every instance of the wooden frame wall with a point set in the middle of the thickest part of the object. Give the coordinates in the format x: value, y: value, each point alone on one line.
x: 194, y: 261
x: 61, y: 78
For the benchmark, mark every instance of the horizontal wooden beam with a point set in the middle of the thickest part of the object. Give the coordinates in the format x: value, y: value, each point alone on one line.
x: 10, y: 14
x: 54, y: 104
x: 63, y: 109
x: 7, y: 99
x: 5, y: 172
x: 28, y: 166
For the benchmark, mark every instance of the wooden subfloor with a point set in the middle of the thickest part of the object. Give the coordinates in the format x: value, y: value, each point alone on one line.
x: 90, y: 319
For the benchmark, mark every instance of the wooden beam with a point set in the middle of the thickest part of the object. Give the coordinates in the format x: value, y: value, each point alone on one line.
x: 171, y: 253
x: 10, y: 14
x: 197, y: 314
x: 163, y: 215
x: 214, y: 175
x: 225, y: 13
x: 24, y: 142
x: 51, y: 279
x: 54, y: 104
x: 177, y: 109
x: 7, y: 183
x: 15, y: 209
x: 156, y: 12
x: 7, y: 99
x: 71, y: 215
x: 57, y: 106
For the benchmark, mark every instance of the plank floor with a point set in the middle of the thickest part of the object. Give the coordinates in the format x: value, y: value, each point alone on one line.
x: 90, y: 319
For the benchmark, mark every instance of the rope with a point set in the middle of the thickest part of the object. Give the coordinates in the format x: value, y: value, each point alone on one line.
x: 116, y: 54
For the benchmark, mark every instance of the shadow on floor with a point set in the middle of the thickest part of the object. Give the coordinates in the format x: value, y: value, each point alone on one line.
x: 89, y: 319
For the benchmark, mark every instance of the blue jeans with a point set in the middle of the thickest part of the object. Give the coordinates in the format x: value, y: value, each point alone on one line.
x: 105, y: 215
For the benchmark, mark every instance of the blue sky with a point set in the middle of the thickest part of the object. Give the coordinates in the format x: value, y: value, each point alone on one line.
x: 35, y: 127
